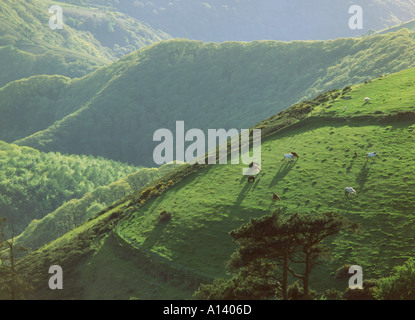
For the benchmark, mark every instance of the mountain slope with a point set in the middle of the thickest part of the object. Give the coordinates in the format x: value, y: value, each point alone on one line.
x: 229, y: 85
x: 116, y: 31
x: 126, y: 242
x: 249, y: 20
x: 90, y: 38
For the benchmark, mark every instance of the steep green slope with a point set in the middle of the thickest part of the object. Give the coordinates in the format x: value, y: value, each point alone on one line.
x: 34, y: 183
x: 208, y: 85
x: 209, y: 201
x: 76, y: 211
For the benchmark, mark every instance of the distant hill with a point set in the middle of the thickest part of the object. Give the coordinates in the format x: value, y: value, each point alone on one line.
x: 114, y: 111
x: 124, y: 252
x: 249, y: 20
x: 410, y: 25
x: 90, y: 38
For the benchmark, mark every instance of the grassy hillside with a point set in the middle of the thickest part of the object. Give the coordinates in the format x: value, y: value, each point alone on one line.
x: 34, y: 183
x: 76, y: 211
x: 208, y: 85
x: 151, y: 260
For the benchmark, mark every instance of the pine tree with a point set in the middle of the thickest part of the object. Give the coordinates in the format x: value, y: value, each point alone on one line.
x: 280, y: 242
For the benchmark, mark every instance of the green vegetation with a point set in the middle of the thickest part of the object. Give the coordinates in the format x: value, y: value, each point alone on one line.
x: 17, y: 64
x: 33, y: 183
x: 76, y: 211
x: 13, y: 284
x: 208, y: 85
x: 24, y: 24
x: 90, y: 38
x: 272, y: 243
x: 399, y: 285
x: 171, y: 259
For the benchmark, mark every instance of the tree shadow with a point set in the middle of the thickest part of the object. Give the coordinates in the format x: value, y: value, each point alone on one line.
x: 282, y: 172
x: 155, y: 235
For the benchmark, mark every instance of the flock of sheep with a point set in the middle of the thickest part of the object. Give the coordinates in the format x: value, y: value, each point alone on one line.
x: 292, y: 156
x: 348, y: 190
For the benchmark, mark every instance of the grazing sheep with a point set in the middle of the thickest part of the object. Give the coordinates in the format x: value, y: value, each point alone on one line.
x: 275, y: 197
x: 255, y: 166
x: 367, y: 99
x: 371, y: 155
x: 290, y: 156
x: 344, y: 109
x: 295, y: 154
x: 349, y: 191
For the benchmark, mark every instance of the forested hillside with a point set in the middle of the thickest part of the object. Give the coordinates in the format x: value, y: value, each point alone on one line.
x: 76, y: 211
x: 90, y: 38
x: 33, y: 183
x: 208, y: 85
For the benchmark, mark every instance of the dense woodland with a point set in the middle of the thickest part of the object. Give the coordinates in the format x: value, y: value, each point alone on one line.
x: 33, y: 183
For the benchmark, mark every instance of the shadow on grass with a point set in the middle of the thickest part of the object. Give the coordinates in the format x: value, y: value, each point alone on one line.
x: 363, y: 175
x: 282, y: 172
x: 155, y: 235
x: 244, y: 191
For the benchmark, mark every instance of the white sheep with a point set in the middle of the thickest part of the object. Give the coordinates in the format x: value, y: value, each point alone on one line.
x: 367, y: 99
x: 371, y: 155
x: 349, y: 191
x: 288, y: 157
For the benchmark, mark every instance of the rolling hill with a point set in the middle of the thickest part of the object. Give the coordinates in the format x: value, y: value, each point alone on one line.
x: 230, y: 20
x: 208, y: 85
x: 90, y: 38
x: 124, y: 252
